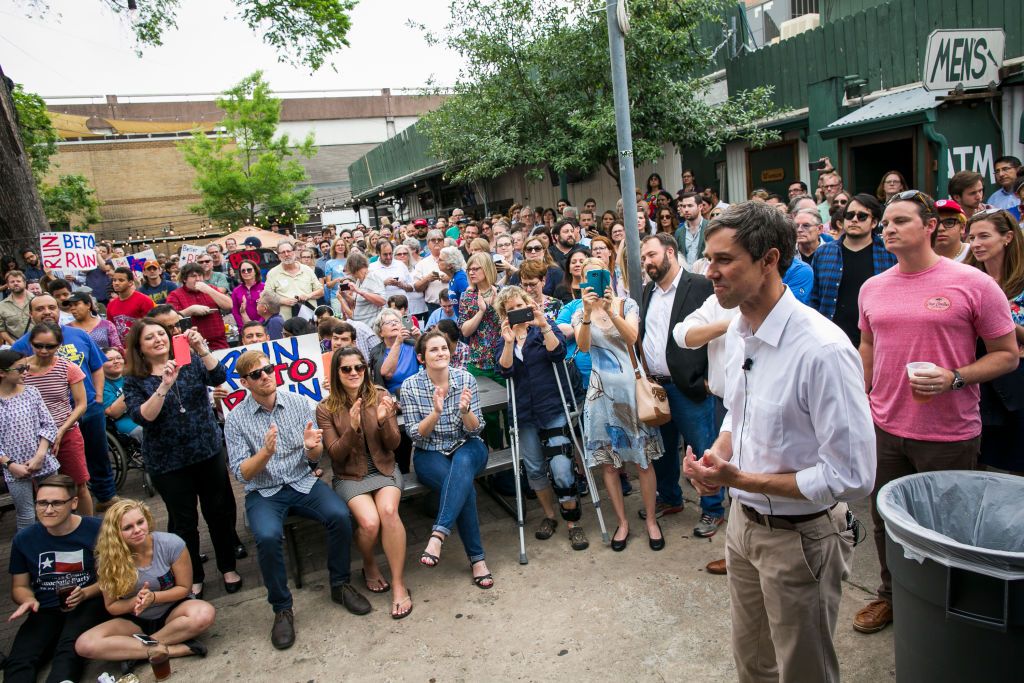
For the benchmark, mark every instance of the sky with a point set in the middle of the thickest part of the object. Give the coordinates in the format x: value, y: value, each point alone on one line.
x: 89, y: 50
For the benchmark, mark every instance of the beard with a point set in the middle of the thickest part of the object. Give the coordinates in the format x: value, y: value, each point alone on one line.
x: 657, y: 271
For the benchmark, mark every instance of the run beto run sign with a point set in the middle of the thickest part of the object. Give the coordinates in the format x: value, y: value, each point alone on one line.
x: 68, y: 251
x: 298, y: 367
x: 963, y: 57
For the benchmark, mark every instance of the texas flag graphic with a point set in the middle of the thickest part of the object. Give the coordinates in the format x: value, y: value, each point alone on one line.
x: 61, y: 562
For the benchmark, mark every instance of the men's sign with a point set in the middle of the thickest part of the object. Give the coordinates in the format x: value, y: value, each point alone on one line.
x: 237, y: 258
x: 963, y: 57
x: 189, y: 253
x: 298, y: 367
x: 68, y: 251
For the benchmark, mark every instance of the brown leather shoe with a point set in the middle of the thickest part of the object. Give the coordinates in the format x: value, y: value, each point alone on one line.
x: 717, y: 567
x: 282, y: 635
x: 873, y: 617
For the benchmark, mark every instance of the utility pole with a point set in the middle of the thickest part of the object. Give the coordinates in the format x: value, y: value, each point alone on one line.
x: 618, y: 24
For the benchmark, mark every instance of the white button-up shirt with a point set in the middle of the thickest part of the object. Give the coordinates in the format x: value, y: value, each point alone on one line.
x: 710, y: 312
x: 659, y: 314
x: 800, y: 408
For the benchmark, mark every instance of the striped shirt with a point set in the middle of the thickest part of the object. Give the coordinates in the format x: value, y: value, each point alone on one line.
x: 247, y: 425
x: 54, y: 384
x: 418, y: 401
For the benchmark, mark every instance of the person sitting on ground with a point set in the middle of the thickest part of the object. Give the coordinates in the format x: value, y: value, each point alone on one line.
x: 360, y: 436
x: 146, y: 579
x: 273, y: 445
x: 400, y: 303
x: 54, y: 615
x: 531, y: 353
x: 325, y: 331
x: 253, y: 332
x: 441, y: 408
x: 446, y: 311
x: 26, y: 433
x: 459, y: 349
x: 269, y: 308
x: 392, y: 361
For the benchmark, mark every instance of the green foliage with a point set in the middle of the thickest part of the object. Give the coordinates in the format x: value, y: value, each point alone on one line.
x: 247, y: 173
x: 37, y: 133
x: 71, y: 199
x: 537, y: 89
x: 304, y: 32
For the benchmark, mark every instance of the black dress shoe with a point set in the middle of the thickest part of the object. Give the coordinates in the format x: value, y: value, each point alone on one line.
x: 282, y: 635
x: 240, y: 552
x: 619, y: 546
x: 198, y: 595
x: 351, y: 599
x: 233, y: 587
x: 657, y: 543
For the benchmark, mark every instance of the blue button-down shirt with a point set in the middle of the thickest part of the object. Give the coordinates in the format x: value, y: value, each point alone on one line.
x: 247, y: 425
x: 800, y: 279
x: 828, y: 272
x: 1003, y: 199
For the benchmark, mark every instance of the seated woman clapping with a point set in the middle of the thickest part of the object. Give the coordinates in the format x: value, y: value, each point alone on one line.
x: 146, y: 580
x: 360, y: 434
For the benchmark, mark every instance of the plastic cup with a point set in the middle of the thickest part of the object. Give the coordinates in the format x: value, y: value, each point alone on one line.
x: 912, y: 370
x: 161, y: 664
x: 63, y: 593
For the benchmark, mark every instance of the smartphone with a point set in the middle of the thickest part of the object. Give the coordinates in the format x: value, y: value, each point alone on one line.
x: 145, y: 640
x: 520, y: 315
x: 180, y: 351
x: 598, y: 280
x: 185, y: 324
x: 406, y: 323
x: 818, y: 165
x: 497, y: 258
x: 344, y: 286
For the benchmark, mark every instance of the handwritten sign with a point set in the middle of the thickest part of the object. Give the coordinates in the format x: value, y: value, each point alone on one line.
x: 237, y: 258
x: 189, y: 253
x: 68, y: 251
x: 298, y: 367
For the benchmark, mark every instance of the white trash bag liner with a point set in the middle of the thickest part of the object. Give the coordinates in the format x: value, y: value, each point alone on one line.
x: 958, y: 518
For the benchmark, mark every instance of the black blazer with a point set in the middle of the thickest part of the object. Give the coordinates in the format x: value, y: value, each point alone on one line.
x: 688, y: 367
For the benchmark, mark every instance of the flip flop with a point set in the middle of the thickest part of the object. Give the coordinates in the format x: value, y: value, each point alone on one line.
x: 384, y: 586
x: 402, y: 615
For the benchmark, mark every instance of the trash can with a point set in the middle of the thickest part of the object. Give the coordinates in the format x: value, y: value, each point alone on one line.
x: 955, y: 548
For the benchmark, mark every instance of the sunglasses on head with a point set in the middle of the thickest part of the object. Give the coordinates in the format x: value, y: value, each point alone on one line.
x: 45, y: 347
x: 253, y: 376
x: 986, y: 212
x: 859, y: 215
x: 349, y: 369
x: 907, y: 195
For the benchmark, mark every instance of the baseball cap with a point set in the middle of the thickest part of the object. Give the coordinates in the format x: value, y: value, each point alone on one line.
x: 253, y: 242
x: 76, y: 297
x: 150, y: 262
x: 948, y: 205
x: 420, y: 222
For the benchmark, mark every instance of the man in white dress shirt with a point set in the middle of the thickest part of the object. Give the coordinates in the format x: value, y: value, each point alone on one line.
x: 795, y: 447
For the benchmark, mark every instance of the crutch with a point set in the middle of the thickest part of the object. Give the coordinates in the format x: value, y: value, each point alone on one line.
x: 514, y: 438
x: 577, y: 443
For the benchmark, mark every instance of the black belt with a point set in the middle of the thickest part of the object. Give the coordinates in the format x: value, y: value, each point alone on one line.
x: 782, y: 521
x: 660, y: 379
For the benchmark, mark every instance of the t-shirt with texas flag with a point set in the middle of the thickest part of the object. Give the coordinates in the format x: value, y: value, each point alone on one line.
x: 55, y: 561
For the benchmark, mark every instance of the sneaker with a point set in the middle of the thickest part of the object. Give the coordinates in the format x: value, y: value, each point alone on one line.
x: 708, y: 526
x: 282, y: 635
x: 578, y: 539
x: 351, y: 599
x: 546, y: 529
x: 873, y: 617
x: 661, y: 509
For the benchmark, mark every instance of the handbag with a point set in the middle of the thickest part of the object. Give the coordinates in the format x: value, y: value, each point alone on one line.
x: 651, y: 399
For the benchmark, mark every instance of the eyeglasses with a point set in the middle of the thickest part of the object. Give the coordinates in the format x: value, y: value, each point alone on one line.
x: 20, y: 369
x: 349, y: 369
x: 859, y: 215
x: 253, y: 376
x: 529, y: 284
x: 535, y: 248
x: 436, y: 239
x: 204, y: 260
x: 473, y: 269
x: 45, y: 347
x: 806, y: 227
x: 841, y: 202
x: 949, y: 223
x: 55, y: 504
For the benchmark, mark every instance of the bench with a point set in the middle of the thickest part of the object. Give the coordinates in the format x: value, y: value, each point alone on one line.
x: 497, y: 461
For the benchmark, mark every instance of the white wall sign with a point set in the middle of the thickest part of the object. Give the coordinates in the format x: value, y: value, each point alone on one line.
x: 967, y: 57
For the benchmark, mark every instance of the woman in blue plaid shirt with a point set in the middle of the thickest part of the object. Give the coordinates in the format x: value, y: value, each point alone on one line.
x: 442, y: 416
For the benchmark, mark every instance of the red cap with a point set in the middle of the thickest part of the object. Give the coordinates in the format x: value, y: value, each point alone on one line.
x: 948, y: 205
x: 420, y: 222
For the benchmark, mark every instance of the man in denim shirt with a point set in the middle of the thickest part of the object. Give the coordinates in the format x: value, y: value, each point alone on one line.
x: 273, y: 445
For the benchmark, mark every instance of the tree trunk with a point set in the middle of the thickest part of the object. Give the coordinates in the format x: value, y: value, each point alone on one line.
x: 21, y: 212
x: 612, y: 168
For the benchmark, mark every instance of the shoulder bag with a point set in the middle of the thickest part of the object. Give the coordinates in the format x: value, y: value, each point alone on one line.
x: 651, y: 400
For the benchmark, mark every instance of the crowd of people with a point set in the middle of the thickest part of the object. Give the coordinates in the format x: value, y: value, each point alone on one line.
x: 776, y: 334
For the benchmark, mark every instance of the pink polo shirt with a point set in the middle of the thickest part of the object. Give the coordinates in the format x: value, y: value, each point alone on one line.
x: 936, y: 315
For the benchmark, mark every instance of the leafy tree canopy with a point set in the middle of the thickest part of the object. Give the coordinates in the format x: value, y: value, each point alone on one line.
x: 536, y: 89
x: 248, y: 174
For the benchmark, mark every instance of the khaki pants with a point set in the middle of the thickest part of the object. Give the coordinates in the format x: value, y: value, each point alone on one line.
x: 898, y: 457
x: 785, y: 588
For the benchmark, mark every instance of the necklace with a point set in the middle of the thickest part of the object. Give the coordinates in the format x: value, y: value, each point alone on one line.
x: 181, y: 408
x: 961, y: 252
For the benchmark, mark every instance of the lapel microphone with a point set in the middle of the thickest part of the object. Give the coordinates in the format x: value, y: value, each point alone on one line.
x: 748, y: 364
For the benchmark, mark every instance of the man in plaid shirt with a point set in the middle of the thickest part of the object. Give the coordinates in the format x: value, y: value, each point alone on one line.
x: 842, y: 267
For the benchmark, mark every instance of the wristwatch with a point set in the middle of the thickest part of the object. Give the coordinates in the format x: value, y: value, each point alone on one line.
x: 6, y: 464
x: 958, y: 381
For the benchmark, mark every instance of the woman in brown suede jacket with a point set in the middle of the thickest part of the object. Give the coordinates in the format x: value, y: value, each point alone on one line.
x: 360, y: 434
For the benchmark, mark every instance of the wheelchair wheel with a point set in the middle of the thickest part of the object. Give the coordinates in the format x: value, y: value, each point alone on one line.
x: 118, y: 461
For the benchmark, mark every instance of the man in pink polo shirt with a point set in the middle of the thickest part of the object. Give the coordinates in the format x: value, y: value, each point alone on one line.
x: 931, y: 309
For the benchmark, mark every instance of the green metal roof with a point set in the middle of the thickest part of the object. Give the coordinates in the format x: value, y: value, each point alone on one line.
x: 402, y: 159
x: 899, y: 109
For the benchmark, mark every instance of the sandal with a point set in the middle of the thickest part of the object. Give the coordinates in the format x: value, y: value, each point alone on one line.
x: 382, y: 585
x: 428, y: 559
x: 402, y: 615
x: 484, y: 582
x: 196, y: 648
x: 546, y: 529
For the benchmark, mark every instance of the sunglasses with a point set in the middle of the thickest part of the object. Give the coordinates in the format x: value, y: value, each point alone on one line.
x: 535, y: 248
x: 246, y: 270
x: 45, y: 347
x: 21, y: 369
x: 349, y: 369
x: 859, y: 215
x: 204, y: 260
x: 908, y: 195
x: 253, y: 376
x: 986, y: 212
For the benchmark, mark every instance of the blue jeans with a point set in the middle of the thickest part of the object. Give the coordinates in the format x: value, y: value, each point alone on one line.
x: 97, y: 460
x: 266, y: 519
x: 537, y: 464
x: 453, y: 478
x: 695, y: 422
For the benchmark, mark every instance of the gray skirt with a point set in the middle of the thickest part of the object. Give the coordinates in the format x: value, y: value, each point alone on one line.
x: 347, y: 489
